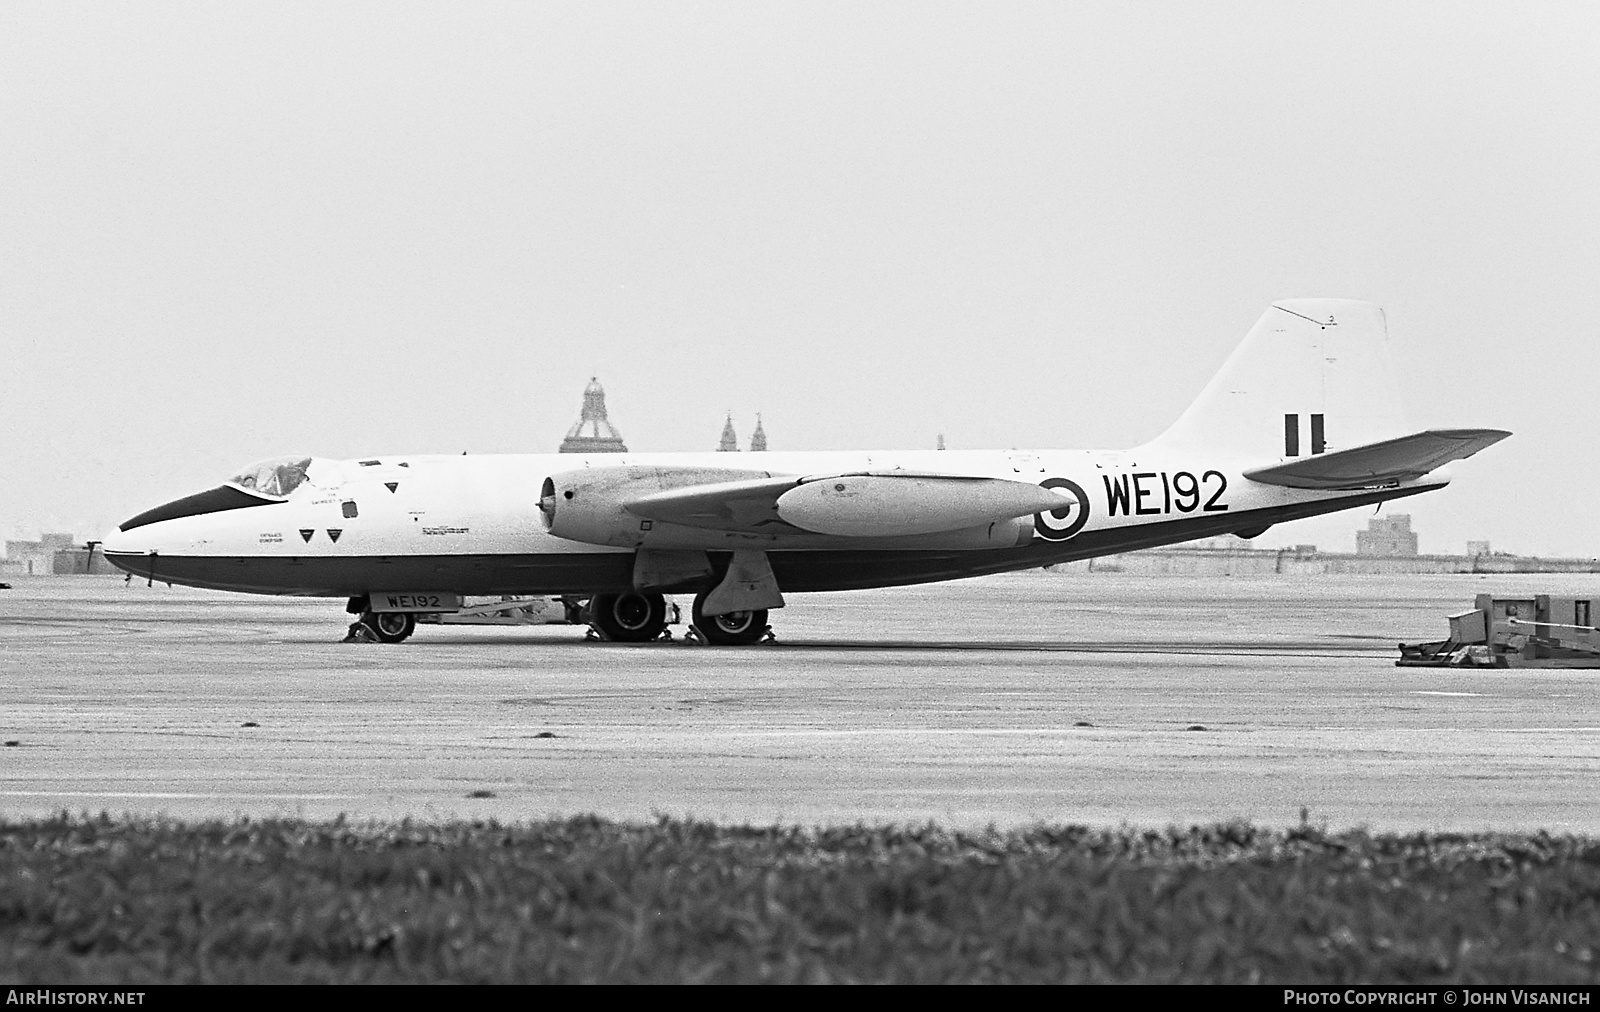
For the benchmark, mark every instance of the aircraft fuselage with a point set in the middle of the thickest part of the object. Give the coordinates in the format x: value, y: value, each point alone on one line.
x: 472, y: 524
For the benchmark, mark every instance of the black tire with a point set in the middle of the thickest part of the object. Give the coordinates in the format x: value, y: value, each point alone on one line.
x: 736, y: 629
x: 629, y: 618
x: 390, y: 626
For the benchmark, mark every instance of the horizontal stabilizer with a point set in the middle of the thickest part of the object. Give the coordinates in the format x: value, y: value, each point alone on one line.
x: 1388, y: 462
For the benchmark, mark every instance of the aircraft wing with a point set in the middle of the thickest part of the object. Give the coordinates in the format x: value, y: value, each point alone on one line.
x: 1383, y: 463
x: 856, y: 504
x: 747, y: 506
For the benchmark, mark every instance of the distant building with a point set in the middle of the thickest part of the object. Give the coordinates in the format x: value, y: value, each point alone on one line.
x: 1220, y: 542
x: 730, y: 441
x: 758, y: 438
x: 58, y: 542
x: 36, y: 558
x: 593, y: 433
x: 25, y: 558
x: 81, y: 562
x: 1477, y: 548
x: 1389, y: 536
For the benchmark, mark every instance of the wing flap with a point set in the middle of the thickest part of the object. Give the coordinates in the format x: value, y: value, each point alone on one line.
x: 1388, y: 462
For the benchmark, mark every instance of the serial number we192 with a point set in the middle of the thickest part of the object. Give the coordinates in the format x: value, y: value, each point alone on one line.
x: 1139, y: 494
x: 414, y: 602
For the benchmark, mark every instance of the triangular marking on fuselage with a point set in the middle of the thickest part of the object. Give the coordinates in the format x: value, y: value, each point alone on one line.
x: 334, y: 532
x: 393, y: 486
x: 305, y: 534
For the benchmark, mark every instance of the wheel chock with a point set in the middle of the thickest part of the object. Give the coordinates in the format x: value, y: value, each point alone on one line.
x: 359, y: 633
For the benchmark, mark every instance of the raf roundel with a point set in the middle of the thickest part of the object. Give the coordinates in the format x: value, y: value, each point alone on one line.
x: 1063, y: 523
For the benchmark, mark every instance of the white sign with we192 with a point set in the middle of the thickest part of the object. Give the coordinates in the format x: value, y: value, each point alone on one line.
x: 426, y: 602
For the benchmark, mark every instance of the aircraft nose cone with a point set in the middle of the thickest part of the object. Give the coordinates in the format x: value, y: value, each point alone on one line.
x: 129, y: 550
x: 119, y: 540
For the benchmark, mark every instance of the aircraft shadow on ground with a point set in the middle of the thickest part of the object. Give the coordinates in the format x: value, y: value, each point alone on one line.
x: 1267, y: 648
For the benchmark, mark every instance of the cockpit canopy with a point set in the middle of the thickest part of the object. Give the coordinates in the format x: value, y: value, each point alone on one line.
x: 275, y: 478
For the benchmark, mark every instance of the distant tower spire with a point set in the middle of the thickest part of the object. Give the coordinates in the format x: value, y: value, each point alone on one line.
x: 730, y: 442
x: 593, y: 432
x: 758, y: 438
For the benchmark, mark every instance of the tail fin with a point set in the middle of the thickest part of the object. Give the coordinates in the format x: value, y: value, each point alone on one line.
x: 1313, y: 376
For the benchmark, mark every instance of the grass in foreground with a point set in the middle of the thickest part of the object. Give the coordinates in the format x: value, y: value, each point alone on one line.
x: 101, y: 900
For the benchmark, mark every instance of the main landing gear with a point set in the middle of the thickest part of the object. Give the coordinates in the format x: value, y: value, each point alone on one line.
x: 735, y: 629
x: 629, y: 618
x: 641, y: 617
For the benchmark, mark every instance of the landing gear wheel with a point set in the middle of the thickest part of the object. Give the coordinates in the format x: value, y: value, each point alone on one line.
x: 735, y: 629
x: 629, y: 618
x: 390, y: 626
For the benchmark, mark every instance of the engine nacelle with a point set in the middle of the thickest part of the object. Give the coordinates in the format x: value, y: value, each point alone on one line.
x: 586, y: 504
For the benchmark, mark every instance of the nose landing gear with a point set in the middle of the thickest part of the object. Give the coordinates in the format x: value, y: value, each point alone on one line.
x: 382, y: 627
x: 379, y: 626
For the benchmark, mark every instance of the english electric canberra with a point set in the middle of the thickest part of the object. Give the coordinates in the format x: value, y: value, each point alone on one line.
x: 1303, y: 419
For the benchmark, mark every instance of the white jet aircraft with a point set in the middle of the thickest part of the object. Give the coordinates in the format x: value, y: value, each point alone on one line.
x: 1303, y: 419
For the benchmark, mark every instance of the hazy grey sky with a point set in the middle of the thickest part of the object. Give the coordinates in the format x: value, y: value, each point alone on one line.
x: 234, y: 230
